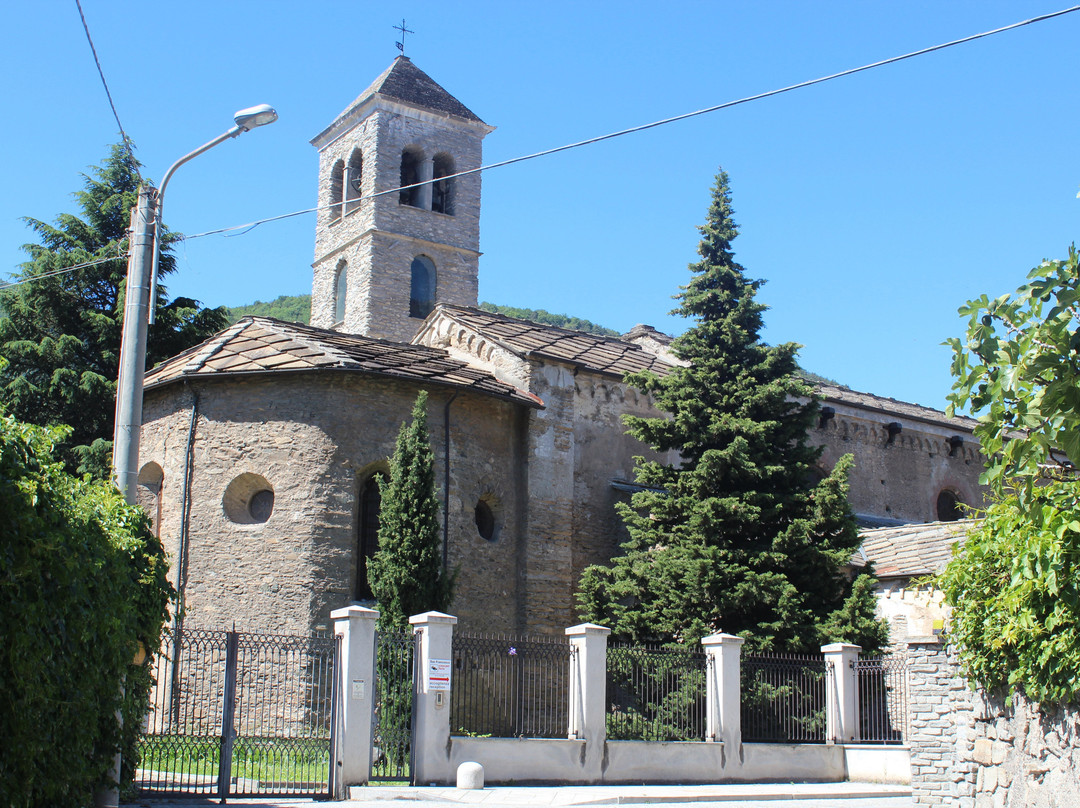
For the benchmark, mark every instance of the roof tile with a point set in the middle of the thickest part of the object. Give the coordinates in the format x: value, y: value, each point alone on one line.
x: 406, y: 82
x: 913, y: 550
x: 600, y: 354
x: 289, y: 347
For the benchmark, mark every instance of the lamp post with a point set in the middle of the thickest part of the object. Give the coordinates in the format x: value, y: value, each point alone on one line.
x: 145, y: 254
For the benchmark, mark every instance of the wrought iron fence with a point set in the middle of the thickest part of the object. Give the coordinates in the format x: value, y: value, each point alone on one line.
x: 883, y: 698
x: 235, y: 714
x: 655, y: 693
x: 395, y: 675
x: 510, y: 687
x: 783, y: 698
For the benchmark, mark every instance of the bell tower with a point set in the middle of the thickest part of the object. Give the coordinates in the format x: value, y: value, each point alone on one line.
x: 384, y: 257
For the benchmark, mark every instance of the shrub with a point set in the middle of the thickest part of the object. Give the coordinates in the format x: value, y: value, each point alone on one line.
x: 1015, y: 593
x: 82, y: 583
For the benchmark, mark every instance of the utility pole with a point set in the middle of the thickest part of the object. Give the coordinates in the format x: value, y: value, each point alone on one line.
x: 129, y: 393
x: 129, y: 388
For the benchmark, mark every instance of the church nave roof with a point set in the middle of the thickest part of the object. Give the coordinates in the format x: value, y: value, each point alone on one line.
x: 609, y: 355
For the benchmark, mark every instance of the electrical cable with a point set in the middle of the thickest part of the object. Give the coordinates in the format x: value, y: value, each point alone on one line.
x: 105, y: 84
x: 245, y: 228
x: 55, y: 272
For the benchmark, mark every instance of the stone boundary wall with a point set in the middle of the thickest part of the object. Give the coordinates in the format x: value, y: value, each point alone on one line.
x: 974, y: 751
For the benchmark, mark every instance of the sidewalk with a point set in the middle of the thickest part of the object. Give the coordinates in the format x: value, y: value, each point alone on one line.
x: 735, y: 795
x: 629, y: 795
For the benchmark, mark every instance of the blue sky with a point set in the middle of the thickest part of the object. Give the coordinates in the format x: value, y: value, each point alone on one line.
x: 874, y: 205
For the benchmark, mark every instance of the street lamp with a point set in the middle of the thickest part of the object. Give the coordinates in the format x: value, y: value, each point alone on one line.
x: 145, y: 254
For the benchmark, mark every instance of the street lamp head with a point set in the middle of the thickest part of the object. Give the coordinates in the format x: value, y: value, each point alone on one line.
x: 255, y: 116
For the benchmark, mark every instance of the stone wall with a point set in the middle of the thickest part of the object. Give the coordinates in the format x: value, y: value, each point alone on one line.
x: 976, y: 751
x: 939, y: 727
x: 577, y: 446
x: 1026, y: 756
x: 314, y: 439
x: 899, y: 478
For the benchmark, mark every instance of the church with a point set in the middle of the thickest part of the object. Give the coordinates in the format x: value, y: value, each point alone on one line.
x: 261, y: 447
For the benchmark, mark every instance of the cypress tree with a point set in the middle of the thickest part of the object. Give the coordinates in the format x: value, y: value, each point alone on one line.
x: 735, y: 536
x: 406, y: 574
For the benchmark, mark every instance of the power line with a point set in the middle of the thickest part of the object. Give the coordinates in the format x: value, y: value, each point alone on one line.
x: 105, y: 84
x: 244, y: 228
x: 54, y: 272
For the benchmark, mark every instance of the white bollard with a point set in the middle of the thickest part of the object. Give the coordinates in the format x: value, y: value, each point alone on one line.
x: 470, y: 775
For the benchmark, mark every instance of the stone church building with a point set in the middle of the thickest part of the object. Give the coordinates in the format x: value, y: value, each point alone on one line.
x: 261, y: 447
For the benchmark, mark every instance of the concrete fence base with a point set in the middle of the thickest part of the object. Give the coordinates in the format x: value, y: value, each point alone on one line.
x: 555, y: 761
x: 586, y: 756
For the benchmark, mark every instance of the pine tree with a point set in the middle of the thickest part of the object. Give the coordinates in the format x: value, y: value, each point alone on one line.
x: 60, y: 333
x: 735, y: 537
x: 406, y: 573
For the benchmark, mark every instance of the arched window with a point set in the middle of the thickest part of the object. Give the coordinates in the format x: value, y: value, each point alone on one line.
x: 422, y: 294
x: 410, y: 174
x: 367, y: 532
x: 148, y: 493
x: 337, y: 181
x: 341, y: 291
x: 442, y: 190
x: 949, y: 507
x: 354, y: 179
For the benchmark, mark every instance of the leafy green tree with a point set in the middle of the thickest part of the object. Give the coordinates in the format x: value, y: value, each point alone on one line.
x: 1014, y: 588
x: 1018, y: 369
x: 406, y: 573
x: 290, y: 308
x: 83, y: 581
x: 547, y: 318
x: 60, y: 335
x: 734, y: 537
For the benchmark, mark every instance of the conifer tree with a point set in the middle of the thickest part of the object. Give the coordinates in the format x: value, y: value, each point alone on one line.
x: 60, y: 331
x: 406, y: 574
x: 734, y: 537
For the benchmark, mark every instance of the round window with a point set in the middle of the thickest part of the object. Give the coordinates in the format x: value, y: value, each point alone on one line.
x: 248, y: 499
x: 261, y: 505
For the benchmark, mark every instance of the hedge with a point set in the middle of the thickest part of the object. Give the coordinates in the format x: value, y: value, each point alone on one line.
x: 82, y: 582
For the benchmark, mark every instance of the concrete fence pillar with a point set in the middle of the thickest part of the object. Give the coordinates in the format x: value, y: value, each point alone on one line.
x: 842, y: 697
x: 431, y: 727
x: 723, y: 721
x: 356, y: 684
x: 588, y: 683
x: 588, y: 693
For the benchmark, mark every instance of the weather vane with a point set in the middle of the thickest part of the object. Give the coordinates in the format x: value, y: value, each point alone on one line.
x: 404, y: 30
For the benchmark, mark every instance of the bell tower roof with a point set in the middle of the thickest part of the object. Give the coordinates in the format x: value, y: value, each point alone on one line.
x: 405, y: 83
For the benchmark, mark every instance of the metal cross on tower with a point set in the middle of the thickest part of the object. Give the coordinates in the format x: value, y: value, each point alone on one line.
x: 404, y: 30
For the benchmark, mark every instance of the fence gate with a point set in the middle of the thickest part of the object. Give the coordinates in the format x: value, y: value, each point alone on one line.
x: 239, y: 715
x: 395, y: 681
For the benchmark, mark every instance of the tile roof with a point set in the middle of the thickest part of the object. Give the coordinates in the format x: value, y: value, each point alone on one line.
x: 406, y: 82
x: 869, y: 401
x: 642, y: 330
x: 609, y: 355
x: 912, y: 550
x: 260, y: 345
